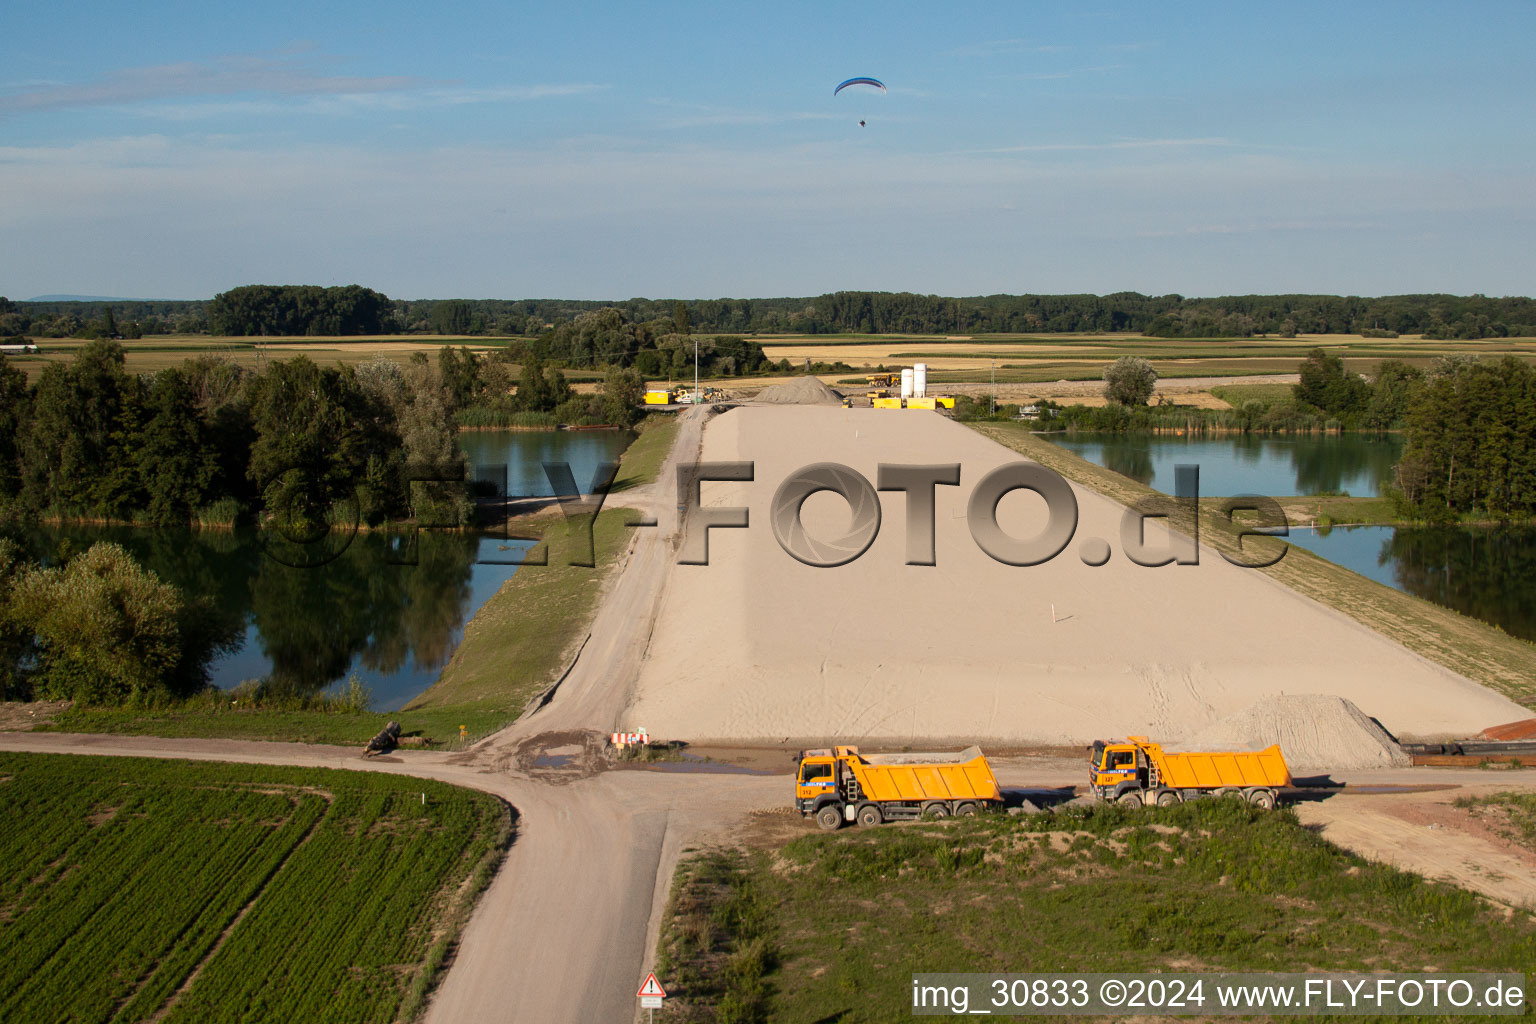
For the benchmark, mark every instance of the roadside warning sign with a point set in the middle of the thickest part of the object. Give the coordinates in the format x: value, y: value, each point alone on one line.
x: 651, y: 994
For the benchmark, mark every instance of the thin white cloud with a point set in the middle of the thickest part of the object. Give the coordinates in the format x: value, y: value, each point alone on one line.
x: 734, y: 118
x: 351, y: 103
x: 236, y: 73
x: 998, y: 47
x: 1042, y: 76
x: 292, y: 81
x: 1072, y: 147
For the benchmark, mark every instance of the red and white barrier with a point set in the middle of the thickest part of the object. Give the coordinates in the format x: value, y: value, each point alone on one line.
x: 624, y: 739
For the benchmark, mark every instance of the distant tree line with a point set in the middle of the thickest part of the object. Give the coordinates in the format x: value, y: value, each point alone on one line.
x: 304, y: 310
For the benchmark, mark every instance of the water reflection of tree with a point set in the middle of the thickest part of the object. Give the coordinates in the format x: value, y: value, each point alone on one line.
x: 1336, y: 464
x: 1487, y: 573
x: 1130, y: 456
x: 313, y: 622
x: 209, y: 567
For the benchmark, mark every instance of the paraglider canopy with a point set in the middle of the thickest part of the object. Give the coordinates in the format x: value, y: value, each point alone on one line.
x: 860, y: 81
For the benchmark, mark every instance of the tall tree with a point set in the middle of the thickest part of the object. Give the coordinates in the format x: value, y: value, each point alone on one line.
x: 175, y: 460
x: 15, y: 407
x: 1129, y: 380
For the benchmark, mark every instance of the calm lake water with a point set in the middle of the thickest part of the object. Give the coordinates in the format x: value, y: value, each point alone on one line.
x: 1277, y: 466
x: 1488, y: 573
x: 524, y: 452
x: 389, y: 613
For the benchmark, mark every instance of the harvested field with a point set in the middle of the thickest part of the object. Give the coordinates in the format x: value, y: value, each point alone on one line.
x: 757, y: 646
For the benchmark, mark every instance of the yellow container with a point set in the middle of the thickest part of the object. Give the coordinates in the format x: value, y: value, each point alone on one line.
x: 1215, y: 770
x: 962, y: 776
x: 887, y: 403
x: 922, y: 403
x: 945, y: 402
x: 658, y: 398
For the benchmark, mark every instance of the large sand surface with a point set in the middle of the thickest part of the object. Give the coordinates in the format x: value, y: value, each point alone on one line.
x: 757, y: 646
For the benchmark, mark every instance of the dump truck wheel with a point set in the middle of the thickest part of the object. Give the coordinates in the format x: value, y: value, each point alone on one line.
x: 966, y: 810
x: 1168, y: 798
x: 1130, y: 798
x: 1262, y: 799
x: 936, y: 811
x: 830, y: 817
x: 869, y: 815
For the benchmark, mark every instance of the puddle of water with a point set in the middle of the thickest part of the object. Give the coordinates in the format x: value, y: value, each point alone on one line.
x: 554, y: 760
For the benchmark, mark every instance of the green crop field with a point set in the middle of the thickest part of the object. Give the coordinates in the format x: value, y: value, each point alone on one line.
x: 833, y: 926
x: 136, y: 889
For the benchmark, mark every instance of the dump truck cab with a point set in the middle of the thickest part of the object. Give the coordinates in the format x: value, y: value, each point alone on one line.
x: 816, y: 782
x: 1114, y: 768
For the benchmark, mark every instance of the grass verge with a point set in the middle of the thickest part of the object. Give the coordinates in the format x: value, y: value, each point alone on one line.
x: 524, y: 636
x: 718, y: 941
x: 1475, y: 649
x: 1206, y: 886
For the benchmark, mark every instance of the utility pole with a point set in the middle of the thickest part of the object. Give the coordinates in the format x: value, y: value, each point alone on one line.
x: 695, y: 369
x: 992, y: 399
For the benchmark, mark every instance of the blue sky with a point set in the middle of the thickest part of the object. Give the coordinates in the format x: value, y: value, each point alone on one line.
x: 586, y: 151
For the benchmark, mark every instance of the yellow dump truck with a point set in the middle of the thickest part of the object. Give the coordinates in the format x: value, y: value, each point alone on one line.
x: 1138, y: 771
x: 840, y: 785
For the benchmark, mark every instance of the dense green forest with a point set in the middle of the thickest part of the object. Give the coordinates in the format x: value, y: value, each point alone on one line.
x: 1471, y: 441
x: 211, y: 441
x: 305, y: 310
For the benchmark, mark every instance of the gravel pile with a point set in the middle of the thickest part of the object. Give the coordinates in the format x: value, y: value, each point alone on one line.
x: 800, y: 391
x: 1316, y: 732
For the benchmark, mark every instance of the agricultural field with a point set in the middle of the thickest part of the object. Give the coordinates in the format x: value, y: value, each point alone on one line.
x: 147, y: 355
x: 137, y: 889
x: 833, y: 926
x: 1028, y: 359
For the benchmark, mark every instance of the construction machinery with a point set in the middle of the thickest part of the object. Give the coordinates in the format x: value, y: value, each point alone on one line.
x: 1138, y: 771
x: 883, y: 380
x: 841, y: 785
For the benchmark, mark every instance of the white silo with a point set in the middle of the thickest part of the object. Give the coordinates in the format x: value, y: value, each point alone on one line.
x: 920, y: 380
x: 906, y: 383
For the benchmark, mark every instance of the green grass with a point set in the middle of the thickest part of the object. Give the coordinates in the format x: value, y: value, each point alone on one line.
x: 1335, y: 510
x: 1512, y: 815
x: 280, y: 893
x: 524, y: 636
x: 515, y: 646
x: 1475, y: 649
x: 1207, y: 886
x: 643, y: 458
x: 718, y: 940
x: 1271, y: 395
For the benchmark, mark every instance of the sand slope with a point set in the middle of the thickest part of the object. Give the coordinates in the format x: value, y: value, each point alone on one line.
x: 758, y: 646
